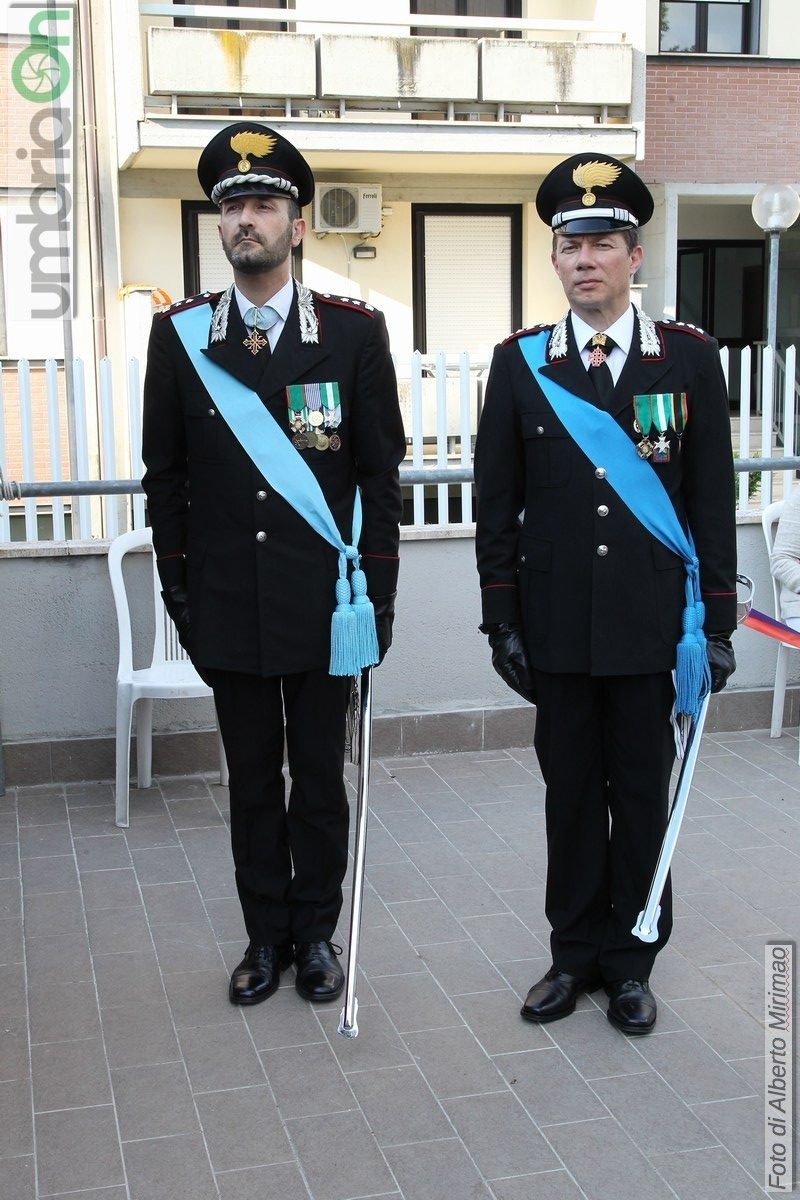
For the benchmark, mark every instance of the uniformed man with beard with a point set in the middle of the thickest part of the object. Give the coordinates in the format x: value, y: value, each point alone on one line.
x: 272, y: 429
x: 582, y: 602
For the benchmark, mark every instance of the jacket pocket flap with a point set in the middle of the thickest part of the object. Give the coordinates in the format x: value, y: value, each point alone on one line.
x: 535, y: 554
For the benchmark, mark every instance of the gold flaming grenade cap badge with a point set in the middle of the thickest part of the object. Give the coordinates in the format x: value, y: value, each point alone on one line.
x: 248, y: 142
x: 594, y: 175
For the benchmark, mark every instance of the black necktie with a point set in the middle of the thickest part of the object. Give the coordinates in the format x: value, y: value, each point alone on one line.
x: 600, y: 346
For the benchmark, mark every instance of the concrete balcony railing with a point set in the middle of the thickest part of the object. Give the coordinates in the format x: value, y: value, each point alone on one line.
x: 225, y: 62
x: 327, y: 74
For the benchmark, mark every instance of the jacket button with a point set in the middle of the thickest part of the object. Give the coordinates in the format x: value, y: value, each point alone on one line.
x: 602, y: 510
x: 600, y: 473
x: 602, y: 551
x: 522, y: 558
x: 261, y: 495
x: 212, y: 412
x: 540, y: 428
x: 261, y: 536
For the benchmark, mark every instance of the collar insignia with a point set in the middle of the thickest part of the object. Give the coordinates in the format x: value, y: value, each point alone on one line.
x: 649, y: 341
x: 219, y: 325
x: 309, y: 325
x: 557, y: 346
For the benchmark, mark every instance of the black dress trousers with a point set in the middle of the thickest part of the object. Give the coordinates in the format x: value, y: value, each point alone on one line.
x: 290, y: 859
x: 606, y: 749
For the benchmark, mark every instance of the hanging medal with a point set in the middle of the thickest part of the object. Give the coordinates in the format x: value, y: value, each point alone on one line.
x: 255, y: 340
x: 661, y: 449
x: 298, y: 416
x: 643, y: 424
x: 680, y: 415
x: 662, y: 409
x: 332, y: 410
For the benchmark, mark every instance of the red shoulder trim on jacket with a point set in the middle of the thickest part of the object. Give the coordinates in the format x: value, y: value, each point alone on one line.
x: 524, y: 332
x: 685, y: 327
x: 190, y: 302
x: 351, y: 302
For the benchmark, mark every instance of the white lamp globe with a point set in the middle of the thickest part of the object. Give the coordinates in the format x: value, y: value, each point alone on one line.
x: 775, y: 207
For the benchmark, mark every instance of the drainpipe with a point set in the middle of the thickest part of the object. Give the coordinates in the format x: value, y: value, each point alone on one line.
x: 92, y: 179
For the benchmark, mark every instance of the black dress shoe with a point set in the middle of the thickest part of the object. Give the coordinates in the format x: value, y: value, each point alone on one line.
x: 554, y: 996
x: 259, y: 973
x: 632, y: 1006
x: 319, y: 974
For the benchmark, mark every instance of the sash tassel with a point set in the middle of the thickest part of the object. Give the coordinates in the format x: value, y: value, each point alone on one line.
x: 692, y: 672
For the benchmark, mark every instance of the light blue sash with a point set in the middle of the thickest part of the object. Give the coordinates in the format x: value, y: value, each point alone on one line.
x: 354, y: 643
x: 605, y: 444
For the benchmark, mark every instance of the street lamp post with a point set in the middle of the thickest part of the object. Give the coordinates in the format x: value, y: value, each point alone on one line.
x: 775, y: 207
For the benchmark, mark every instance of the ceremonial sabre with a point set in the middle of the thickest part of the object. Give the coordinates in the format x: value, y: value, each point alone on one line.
x: 646, y: 927
x: 361, y: 752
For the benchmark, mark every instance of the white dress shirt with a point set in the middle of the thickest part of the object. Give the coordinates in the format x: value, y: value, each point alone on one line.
x: 621, y: 332
x: 281, y: 302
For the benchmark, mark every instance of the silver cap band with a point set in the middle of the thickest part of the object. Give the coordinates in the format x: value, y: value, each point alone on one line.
x: 273, y: 181
x: 611, y: 214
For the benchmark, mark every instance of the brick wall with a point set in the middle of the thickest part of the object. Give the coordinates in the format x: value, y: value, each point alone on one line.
x: 716, y: 123
x: 9, y: 412
x: 15, y: 120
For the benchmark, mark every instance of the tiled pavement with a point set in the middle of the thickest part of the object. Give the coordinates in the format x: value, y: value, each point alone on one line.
x: 125, y: 1074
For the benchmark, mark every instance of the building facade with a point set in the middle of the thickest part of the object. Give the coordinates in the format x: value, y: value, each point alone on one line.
x: 429, y: 125
x: 722, y: 119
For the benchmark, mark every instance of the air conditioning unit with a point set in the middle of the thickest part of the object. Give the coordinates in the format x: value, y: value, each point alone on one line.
x: 347, y: 208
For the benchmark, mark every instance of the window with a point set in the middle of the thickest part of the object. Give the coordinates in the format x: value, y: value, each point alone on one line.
x: 205, y: 267
x: 467, y: 272
x: 216, y: 23
x: 466, y: 8
x: 708, y: 27
x: 721, y: 289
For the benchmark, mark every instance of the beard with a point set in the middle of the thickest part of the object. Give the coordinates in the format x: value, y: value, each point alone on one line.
x: 257, y: 256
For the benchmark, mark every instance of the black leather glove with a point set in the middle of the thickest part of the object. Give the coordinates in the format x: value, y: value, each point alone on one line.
x: 721, y: 659
x: 510, y: 658
x: 176, y: 602
x: 384, y: 619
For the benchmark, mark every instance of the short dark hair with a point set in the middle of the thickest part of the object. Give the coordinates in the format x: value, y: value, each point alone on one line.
x: 631, y: 236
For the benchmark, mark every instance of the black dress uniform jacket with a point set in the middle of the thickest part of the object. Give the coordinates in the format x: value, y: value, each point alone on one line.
x: 260, y: 579
x: 595, y: 591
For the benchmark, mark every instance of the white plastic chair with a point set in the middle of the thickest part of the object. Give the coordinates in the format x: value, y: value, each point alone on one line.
x: 169, y: 676
x: 769, y: 524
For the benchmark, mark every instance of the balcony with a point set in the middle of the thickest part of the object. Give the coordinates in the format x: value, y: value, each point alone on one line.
x: 195, y: 67
x: 551, y: 76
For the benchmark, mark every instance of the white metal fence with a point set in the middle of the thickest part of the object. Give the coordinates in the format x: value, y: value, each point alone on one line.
x: 55, y: 426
